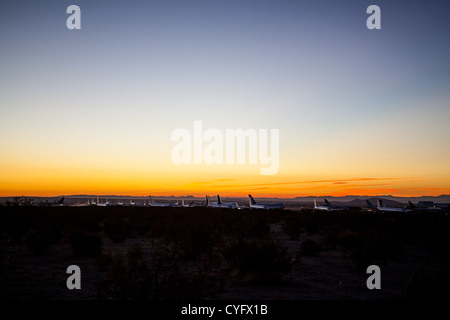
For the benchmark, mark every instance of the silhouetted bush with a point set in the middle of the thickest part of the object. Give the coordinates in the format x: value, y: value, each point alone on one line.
x: 39, y: 241
x: 251, y: 225
x: 315, y: 222
x: 350, y: 240
x: 437, y: 243
x: 292, y: 226
x: 265, y: 260
x: 134, y: 278
x: 428, y: 284
x: 330, y: 239
x: 309, y: 248
x: 178, y: 240
x: 376, y: 249
x: 103, y: 261
x: 195, y: 243
x: 118, y: 228
x: 85, y: 244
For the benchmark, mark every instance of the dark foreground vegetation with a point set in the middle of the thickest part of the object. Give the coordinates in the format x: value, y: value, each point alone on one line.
x: 201, y: 253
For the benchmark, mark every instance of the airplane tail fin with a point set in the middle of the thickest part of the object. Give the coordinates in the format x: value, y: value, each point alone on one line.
x: 61, y: 201
x: 327, y: 203
x: 208, y: 201
x: 218, y: 200
x: 411, y: 205
x: 251, y: 200
x: 370, y: 205
x: 379, y: 203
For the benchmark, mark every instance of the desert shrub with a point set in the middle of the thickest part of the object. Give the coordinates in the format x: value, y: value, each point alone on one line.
x: 375, y: 248
x: 85, y: 244
x: 330, y: 239
x: 251, y: 225
x: 71, y: 218
x: 118, y: 228
x: 103, y: 261
x: 437, y: 243
x: 39, y: 241
x: 428, y: 284
x: 350, y: 240
x: 134, y: 278
x: 265, y: 260
x: 32, y: 226
x: 195, y: 243
x: 309, y: 248
x: 315, y: 222
x: 194, y: 233
x: 291, y: 226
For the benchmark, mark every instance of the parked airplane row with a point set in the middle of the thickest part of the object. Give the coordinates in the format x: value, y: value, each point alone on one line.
x: 217, y: 204
x: 381, y: 208
x: 265, y: 206
x: 27, y: 202
x: 220, y: 204
x: 223, y: 205
x: 423, y: 206
x: 328, y: 206
x: 274, y: 206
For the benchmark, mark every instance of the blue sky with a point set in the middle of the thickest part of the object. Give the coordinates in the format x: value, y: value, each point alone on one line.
x: 137, y: 70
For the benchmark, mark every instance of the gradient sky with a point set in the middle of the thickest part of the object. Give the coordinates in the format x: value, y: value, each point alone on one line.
x: 360, y: 112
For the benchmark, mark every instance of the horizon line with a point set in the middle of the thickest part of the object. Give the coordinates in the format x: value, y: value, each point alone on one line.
x: 222, y: 195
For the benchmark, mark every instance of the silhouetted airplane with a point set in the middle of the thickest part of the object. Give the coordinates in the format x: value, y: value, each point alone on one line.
x: 220, y: 204
x: 156, y: 204
x: 185, y: 205
x: 382, y: 208
x: 266, y: 206
x: 60, y: 202
x: 328, y: 206
x: 424, y: 206
x: 102, y: 204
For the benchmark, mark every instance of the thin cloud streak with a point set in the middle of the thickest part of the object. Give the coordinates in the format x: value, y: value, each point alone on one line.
x: 337, y: 181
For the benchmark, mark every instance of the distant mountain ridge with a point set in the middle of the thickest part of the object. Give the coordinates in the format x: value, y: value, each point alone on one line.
x: 350, y: 200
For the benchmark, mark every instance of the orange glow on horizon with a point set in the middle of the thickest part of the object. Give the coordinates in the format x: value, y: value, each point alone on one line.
x: 229, y: 187
x: 160, y: 178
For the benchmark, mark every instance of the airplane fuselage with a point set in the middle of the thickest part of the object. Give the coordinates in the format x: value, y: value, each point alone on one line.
x: 224, y: 205
x: 323, y: 208
x: 389, y: 209
x: 161, y: 205
x: 102, y: 204
x: 268, y: 206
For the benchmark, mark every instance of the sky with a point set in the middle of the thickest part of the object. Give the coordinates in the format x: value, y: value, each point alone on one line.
x: 92, y: 111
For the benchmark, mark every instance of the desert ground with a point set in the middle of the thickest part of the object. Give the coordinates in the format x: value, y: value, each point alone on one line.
x: 134, y: 253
